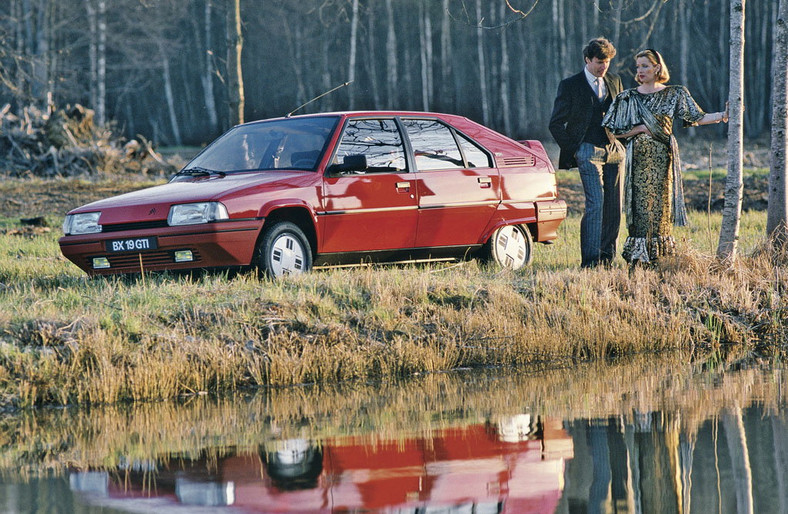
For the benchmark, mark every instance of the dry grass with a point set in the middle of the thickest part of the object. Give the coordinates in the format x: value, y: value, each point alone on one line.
x: 66, y: 338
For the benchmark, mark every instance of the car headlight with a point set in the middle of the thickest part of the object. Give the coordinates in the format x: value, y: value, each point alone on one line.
x: 82, y: 223
x: 195, y: 213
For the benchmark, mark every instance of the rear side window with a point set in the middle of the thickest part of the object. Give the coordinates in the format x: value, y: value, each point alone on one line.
x: 476, y: 157
x: 433, y: 145
x: 379, y: 140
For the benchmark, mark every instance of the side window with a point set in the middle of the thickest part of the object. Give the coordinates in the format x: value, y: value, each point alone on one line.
x: 433, y: 145
x: 476, y: 157
x: 377, y: 140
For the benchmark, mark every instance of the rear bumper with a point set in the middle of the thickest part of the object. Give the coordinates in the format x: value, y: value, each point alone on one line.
x: 549, y: 216
x: 230, y: 243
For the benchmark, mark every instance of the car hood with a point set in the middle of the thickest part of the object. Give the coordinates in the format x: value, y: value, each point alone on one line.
x: 153, y: 203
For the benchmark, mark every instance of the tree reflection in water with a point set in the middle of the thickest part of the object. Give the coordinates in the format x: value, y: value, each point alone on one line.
x: 643, y: 436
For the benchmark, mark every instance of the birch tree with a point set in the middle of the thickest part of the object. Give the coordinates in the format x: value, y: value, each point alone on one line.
x: 206, y: 77
x: 777, y: 214
x: 352, y: 60
x: 391, y: 57
x: 168, y: 94
x: 482, y: 64
x: 235, y: 81
x: 731, y: 213
x: 504, y: 82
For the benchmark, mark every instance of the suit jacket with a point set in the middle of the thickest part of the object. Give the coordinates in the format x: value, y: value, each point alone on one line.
x: 572, y: 111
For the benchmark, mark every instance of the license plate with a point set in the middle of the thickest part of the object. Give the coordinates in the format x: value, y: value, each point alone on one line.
x: 136, y: 244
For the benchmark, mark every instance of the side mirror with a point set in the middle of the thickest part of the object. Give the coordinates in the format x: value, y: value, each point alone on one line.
x: 350, y: 164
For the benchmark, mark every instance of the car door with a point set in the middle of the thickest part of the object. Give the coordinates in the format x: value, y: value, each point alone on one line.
x: 458, y: 189
x: 374, y: 208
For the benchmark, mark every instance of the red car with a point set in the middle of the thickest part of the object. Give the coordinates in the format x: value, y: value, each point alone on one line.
x: 287, y: 194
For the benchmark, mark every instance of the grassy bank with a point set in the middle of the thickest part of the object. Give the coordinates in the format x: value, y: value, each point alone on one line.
x: 66, y: 338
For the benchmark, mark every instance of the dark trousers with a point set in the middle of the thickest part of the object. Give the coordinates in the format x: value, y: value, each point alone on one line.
x: 602, y: 184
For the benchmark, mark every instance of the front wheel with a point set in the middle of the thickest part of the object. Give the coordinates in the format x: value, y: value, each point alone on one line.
x: 510, y: 247
x: 283, y: 249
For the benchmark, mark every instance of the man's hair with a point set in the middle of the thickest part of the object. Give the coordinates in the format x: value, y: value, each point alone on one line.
x: 600, y: 48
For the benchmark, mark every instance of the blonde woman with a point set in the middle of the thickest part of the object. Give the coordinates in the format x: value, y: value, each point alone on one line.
x: 653, y: 192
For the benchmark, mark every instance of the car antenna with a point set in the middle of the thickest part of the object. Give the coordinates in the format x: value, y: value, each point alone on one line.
x: 318, y: 97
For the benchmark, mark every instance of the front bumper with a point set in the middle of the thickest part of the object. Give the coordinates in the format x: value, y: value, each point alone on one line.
x: 226, y: 243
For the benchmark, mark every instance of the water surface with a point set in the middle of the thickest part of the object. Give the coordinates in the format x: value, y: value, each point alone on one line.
x: 638, y: 437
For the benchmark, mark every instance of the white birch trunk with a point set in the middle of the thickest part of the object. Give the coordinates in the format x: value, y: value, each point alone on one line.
x: 165, y: 64
x: 92, y: 52
x: 482, y: 64
x: 391, y: 58
x: 446, y: 57
x: 428, y: 52
x: 425, y: 82
x: 101, y: 65
x: 325, y: 63
x: 505, y: 107
x: 373, y: 61
x: 208, y: 71
x: 731, y: 213
x: 235, y: 82
x: 684, y: 18
x: 777, y: 213
x: 352, y: 61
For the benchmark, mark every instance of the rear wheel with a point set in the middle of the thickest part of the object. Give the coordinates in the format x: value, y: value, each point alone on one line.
x: 510, y: 247
x: 283, y: 249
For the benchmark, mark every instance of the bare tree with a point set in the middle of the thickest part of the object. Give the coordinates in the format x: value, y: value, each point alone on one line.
x: 352, y: 60
x: 168, y: 94
x: 391, y: 57
x: 504, y: 81
x: 208, y: 70
x: 482, y: 64
x: 97, y: 24
x: 777, y: 215
x: 731, y: 213
x: 425, y: 54
x: 235, y: 81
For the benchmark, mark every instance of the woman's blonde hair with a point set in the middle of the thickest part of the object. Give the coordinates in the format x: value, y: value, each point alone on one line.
x: 656, y: 59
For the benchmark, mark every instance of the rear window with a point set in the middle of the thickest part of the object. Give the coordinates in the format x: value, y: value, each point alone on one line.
x: 433, y: 145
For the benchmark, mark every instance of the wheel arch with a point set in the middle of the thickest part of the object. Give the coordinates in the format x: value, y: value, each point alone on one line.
x: 529, y: 224
x: 300, y: 216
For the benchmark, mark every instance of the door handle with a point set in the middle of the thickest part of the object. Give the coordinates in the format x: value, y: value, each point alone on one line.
x: 484, y: 182
x: 403, y: 187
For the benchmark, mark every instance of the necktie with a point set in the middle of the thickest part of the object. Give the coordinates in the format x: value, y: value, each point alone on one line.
x: 598, y: 87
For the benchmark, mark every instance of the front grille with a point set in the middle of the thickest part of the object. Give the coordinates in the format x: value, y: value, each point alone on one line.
x: 149, y: 259
x: 140, y: 225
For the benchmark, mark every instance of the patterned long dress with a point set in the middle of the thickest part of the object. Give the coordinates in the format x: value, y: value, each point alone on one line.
x: 653, y: 192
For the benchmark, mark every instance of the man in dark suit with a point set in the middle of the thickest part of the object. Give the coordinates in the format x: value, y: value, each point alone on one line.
x: 576, y: 125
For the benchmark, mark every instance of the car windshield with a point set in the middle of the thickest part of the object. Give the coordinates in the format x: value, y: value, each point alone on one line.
x: 292, y: 143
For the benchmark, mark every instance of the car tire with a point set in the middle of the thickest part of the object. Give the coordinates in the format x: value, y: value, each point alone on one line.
x: 283, y: 249
x: 510, y: 247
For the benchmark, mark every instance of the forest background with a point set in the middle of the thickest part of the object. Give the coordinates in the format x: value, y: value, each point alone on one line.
x: 159, y: 67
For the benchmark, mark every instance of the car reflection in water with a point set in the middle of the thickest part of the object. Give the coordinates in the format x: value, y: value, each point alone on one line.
x: 515, y: 464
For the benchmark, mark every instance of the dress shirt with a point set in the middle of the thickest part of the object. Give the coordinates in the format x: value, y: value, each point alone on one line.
x: 597, y: 87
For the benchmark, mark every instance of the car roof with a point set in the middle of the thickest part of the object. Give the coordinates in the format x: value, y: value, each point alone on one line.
x: 362, y: 114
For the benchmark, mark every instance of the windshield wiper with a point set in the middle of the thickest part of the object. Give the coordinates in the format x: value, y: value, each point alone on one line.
x: 196, y: 171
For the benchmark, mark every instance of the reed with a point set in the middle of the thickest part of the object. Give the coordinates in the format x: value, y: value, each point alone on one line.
x: 66, y: 338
